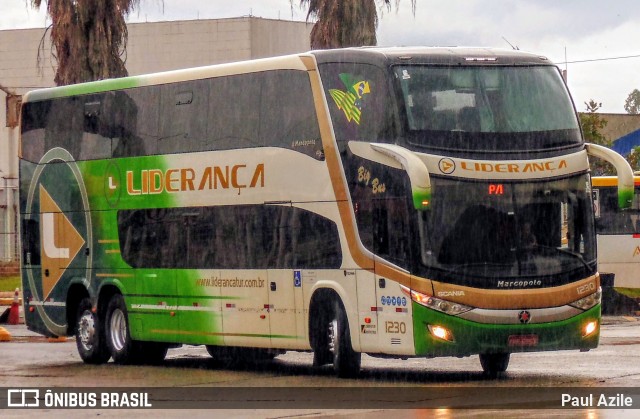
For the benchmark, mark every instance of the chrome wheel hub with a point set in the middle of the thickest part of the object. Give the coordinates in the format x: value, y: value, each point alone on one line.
x: 118, y: 329
x: 87, y: 330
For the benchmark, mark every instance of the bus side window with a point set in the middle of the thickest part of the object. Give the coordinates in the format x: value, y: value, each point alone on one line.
x: 233, y: 116
x: 287, y: 113
x: 183, y: 117
x: 65, y: 125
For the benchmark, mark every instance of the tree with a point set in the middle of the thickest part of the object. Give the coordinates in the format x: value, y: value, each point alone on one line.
x: 88, y: 38
x: 592, y: 124
x: 634, y: 158
x: 632, y: 103
x: 344, y: 23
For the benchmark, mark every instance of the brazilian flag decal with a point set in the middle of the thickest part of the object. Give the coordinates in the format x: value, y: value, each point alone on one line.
x: 350, y: 101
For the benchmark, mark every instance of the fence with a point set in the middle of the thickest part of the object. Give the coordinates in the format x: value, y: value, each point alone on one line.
x: 9, y: 240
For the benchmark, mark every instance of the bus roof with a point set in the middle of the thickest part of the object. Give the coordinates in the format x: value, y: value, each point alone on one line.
x: 372, y: 55
x: 287, y: 62
x: 433, y: 55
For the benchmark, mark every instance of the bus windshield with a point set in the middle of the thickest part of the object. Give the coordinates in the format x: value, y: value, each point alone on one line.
x: 512, y: 109
x: 480, y: 233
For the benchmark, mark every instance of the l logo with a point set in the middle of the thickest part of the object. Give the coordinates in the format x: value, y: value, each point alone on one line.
x: 61, y: 242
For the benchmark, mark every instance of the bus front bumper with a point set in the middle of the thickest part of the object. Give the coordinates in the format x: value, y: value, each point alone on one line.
x: 438, y: 334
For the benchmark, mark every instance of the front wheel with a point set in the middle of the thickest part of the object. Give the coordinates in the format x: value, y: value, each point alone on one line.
x: 494, y: 364
x: 334, y: 344
x: 90, y: 336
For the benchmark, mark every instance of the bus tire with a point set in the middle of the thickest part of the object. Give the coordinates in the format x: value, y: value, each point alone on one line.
x: 494, y: 364
x: 118, y: 336
x: 335, y: 343
x: 90, y: 336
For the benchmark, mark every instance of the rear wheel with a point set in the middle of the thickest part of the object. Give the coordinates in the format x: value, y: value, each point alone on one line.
x: 90, y: 337
x: 117, y: 331
x: 494, y: 364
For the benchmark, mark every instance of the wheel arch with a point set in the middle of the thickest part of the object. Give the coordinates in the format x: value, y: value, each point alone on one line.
x: 75, y: 294
x: 321, y: 298
x: 105, y: 294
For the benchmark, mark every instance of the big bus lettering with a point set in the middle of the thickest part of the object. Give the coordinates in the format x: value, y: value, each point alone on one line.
x: 258, y: 175
x: 170, y: 180
x: 155, y: 181
x: 234, y: 178
x: 214, y: 176
x: 187, y: 177
x: 546, y: 166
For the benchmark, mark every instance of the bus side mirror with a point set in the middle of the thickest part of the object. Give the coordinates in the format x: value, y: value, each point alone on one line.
x: 625, y: 173
x: 399, y: 157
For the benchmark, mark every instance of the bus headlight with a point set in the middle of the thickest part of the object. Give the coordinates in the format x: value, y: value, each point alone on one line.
x: 440, y: 332
x: 589, y: 328
x: 438, y: 304
x: 589, y: 301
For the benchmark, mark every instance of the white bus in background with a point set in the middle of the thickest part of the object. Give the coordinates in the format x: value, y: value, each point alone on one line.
x: 618, y: 233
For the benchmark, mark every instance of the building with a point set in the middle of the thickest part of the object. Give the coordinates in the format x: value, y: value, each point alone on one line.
x: 152, y: 47
x: 623, y: 130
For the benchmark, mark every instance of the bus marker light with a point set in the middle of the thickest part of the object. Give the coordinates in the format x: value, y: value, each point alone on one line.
x: 367, y: 320
x: 262, y: 316
x: 440, y: 333
x: 589, y: 328
x: 172, y: 314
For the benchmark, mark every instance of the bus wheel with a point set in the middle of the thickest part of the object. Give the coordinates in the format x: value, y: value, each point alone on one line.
x: 90, y: 338
x: 117, y: 331
x: 494, y: 364
x: 346, y: 361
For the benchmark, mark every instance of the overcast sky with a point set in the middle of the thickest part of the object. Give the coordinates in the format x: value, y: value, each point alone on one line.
x: 585, y: 29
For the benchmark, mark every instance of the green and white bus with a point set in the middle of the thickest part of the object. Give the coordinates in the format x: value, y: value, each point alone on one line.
x: 402, y: 202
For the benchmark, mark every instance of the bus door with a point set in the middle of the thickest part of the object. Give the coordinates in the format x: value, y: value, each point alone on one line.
x: 391, y: 237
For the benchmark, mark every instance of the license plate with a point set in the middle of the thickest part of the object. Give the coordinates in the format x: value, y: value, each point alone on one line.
x: 523, y: 340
